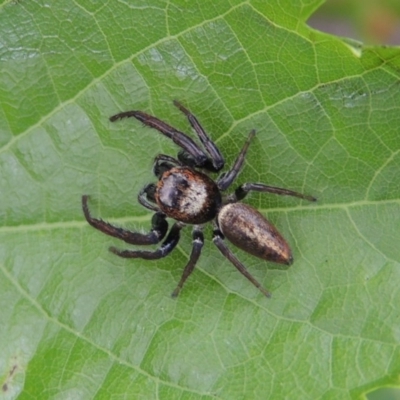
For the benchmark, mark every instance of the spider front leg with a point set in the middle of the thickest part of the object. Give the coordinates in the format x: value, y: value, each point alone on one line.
x: 182, y: 140
x: 216, y: 157
x: 167, y: 246
x: 146, y: 194
x: 163, y: 163
x: 157, y: 233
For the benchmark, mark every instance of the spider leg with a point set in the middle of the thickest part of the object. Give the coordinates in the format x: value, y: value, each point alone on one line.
x: 225, y: 180
x: 158, y: 230
x: 242, y: 191
x: 222, y: 247
x: 146, y: 195
x: 198, y: 242
x: 189, y: 161
x: 217, y: 159
x: 181, y: 139
x: 168, y: 159
x: 167, y: 246
x: 163, y: 163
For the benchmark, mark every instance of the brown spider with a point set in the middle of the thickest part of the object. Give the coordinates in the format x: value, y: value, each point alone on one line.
x: 191, y: 197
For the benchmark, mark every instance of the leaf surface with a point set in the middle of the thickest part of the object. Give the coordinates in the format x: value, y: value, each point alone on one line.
x: 79, y: 322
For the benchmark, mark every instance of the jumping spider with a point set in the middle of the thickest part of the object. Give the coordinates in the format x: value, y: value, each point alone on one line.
x: 189, y: 196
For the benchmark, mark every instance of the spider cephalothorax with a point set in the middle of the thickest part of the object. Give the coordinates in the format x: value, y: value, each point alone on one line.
x: 189, y: 196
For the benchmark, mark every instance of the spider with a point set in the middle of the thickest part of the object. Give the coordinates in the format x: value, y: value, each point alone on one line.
x: 191, y: 197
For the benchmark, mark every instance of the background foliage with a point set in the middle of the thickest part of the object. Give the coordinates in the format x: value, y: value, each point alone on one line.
x: 78, y: 322
x: 372, y: 21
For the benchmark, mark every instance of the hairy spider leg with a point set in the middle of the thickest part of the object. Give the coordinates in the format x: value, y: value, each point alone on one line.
x: 198, y: 242
x: 243, y: 190
x: 217, y: 159
x: 163, y: 163
x: 158, y: 230
x: 180, y: 138
x: 167, y: 246
x: 146, y: 194
x: 226, y: 179
x: 168, y: 159
x: 223, y: 248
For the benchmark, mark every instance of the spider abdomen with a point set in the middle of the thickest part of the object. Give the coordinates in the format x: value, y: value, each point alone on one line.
x: 187, y: 195
x: 249, y: 230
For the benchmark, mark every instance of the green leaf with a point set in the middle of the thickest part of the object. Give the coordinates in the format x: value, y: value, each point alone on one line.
x: 79, y: 322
